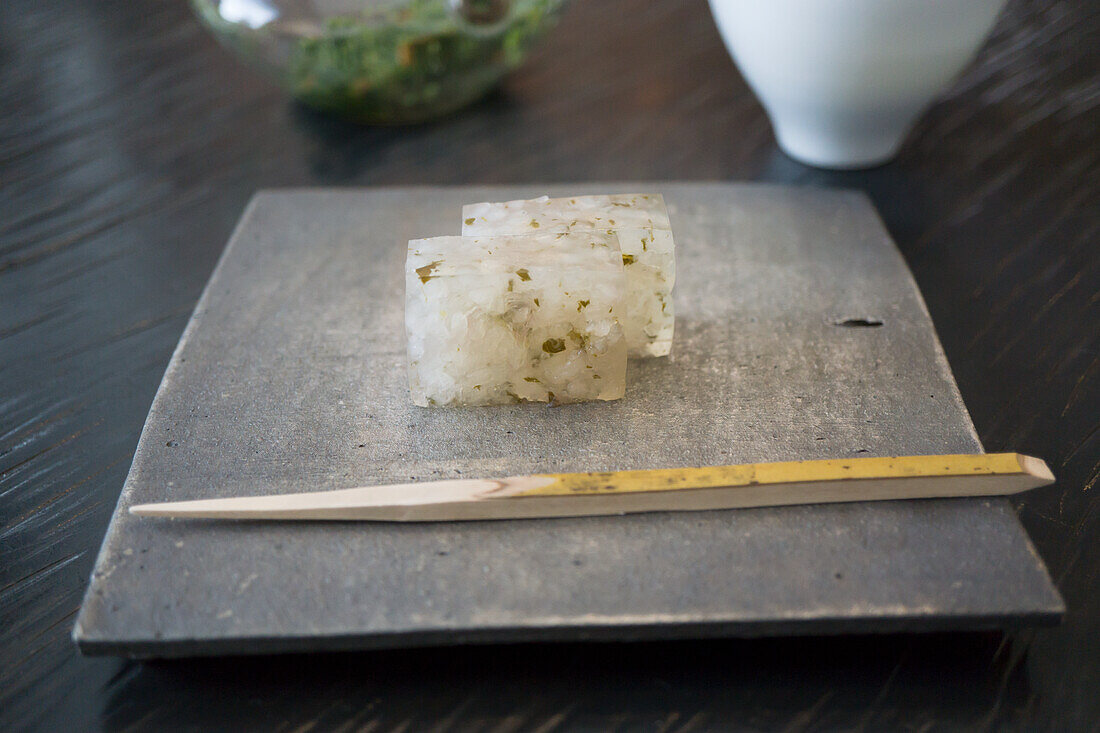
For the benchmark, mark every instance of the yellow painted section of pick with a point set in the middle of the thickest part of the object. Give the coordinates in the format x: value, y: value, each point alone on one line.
x: 754, y: 474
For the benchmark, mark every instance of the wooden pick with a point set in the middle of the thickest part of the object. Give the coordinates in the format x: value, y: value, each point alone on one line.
x: 622, y: 492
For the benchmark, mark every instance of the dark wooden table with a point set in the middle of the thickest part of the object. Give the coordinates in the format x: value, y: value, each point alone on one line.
x: 129, y: 144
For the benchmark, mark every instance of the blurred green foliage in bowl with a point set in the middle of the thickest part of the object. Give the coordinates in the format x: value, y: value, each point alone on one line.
x: 382, y: 62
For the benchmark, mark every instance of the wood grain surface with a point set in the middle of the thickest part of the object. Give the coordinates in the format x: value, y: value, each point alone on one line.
x: 129, y: 144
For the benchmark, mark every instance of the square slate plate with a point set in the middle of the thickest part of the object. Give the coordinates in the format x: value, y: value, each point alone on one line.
x: 290, y: 377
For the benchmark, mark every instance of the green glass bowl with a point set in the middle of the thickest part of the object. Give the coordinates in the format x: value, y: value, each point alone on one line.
x: 382, y: 62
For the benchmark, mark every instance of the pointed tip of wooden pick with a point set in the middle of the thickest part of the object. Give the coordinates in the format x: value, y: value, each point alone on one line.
x: 148, y: 510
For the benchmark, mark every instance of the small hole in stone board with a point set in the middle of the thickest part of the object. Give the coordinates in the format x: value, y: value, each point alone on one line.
x: 858, y: 323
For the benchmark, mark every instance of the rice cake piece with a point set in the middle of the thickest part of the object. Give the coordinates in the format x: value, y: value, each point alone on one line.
x: 502, y: 320
x: 645, y: 236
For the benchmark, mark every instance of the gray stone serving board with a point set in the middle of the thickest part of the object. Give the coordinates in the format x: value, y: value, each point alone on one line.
x: 290, y: 377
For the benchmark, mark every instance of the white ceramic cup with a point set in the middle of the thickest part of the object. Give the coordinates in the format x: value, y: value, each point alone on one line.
x: 843, y: 81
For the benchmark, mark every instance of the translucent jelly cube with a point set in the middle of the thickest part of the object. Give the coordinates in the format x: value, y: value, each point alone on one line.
x: 501, y: 320
x: 645, y: 237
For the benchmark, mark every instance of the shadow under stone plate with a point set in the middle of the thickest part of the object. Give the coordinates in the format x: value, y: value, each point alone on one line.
x: 291, y: 377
